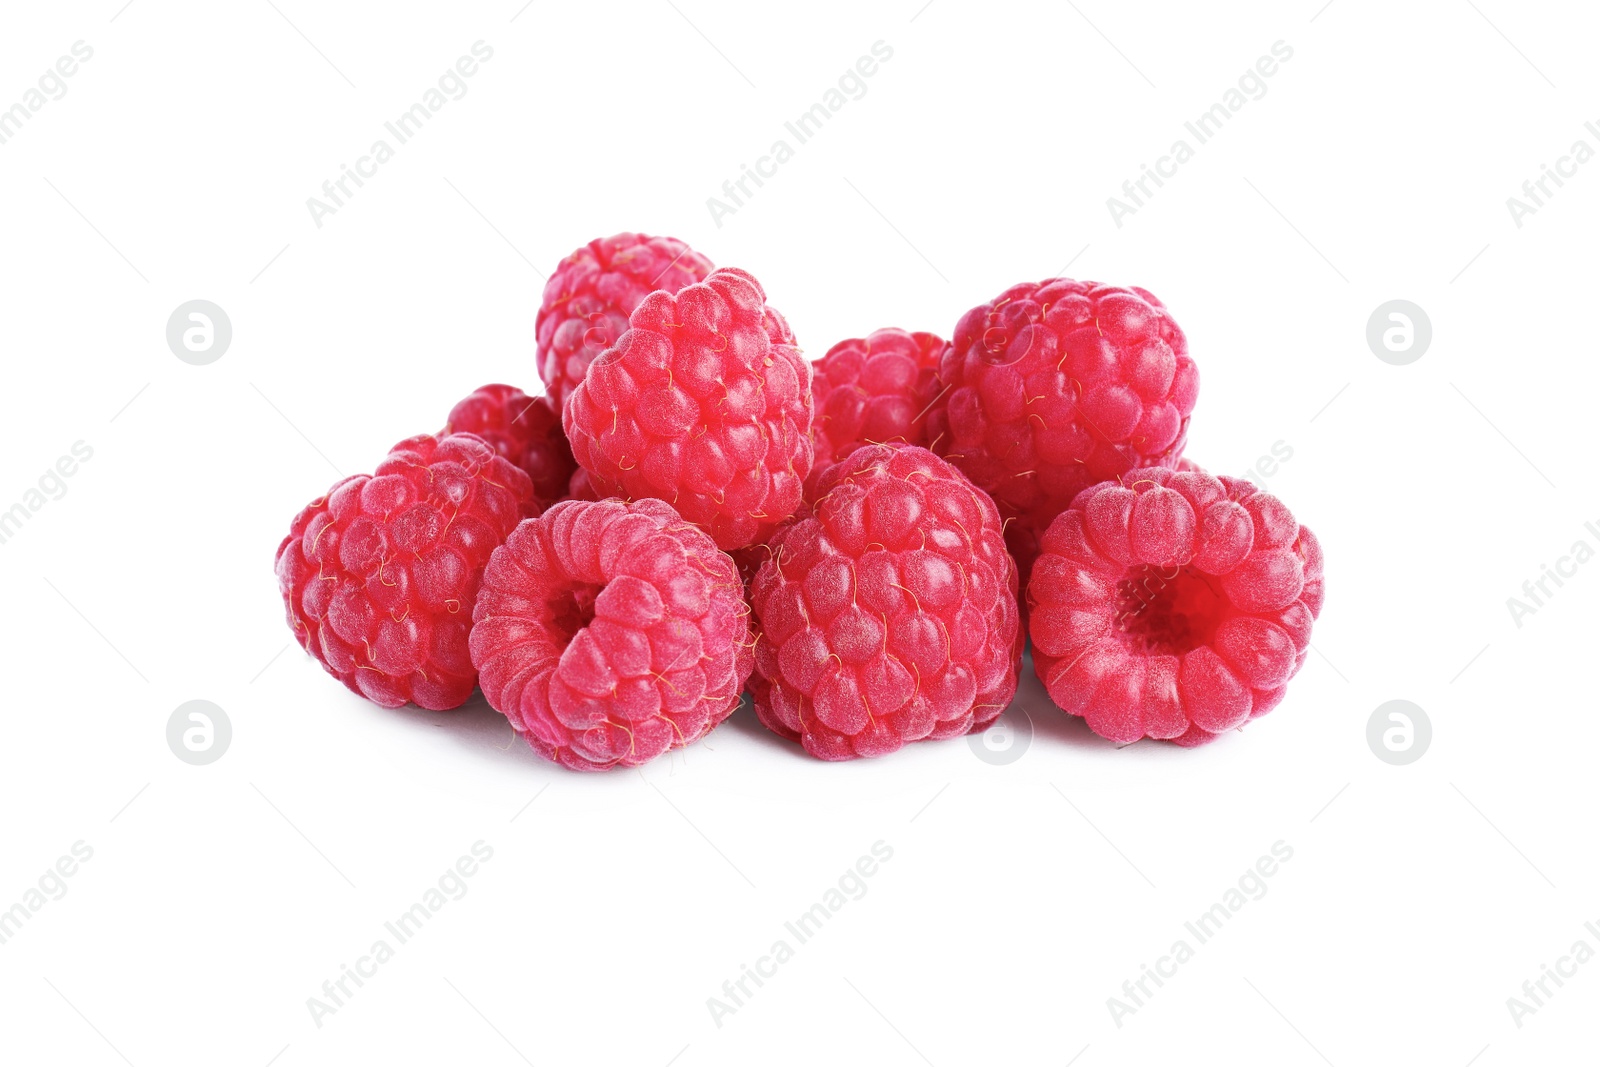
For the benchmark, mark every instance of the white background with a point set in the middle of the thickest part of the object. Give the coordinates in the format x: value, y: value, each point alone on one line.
x: 1019, y: 897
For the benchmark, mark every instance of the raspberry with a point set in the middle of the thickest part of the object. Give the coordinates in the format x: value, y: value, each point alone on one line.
x: 379, y: 576
x: 580, y: 487
x: 873, y: 390
x: 524, y: 429
x: 609, y: 633
x: 1057, y: 386
x: 1172, y: 604
x: 698, y: 406
x: 588, y: 299
x: 890, y: 614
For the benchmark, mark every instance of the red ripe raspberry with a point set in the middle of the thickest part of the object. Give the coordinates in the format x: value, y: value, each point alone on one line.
x: 698, y: 406
x: 890, y: 614
x: 380, y: 575
x: 1057, y: 386
x: 609, y: 633
x: 873, y: 390
x: 1172, y: 604
x: 580, y: 487
x: 588, y: 299
x: 524, y: 429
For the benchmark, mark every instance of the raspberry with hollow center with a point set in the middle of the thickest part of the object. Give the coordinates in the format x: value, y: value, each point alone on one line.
x: 888, y: 615
x: 524, y: 429
x: 592, y: 292
x: 380, y: 575
x: 1172, y: 604
x: 697, y: 405
x: 873, y: 390
x: 1056, y: 386
x: 609, y: 633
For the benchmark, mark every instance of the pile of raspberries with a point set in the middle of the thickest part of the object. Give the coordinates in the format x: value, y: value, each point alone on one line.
x: 692, y: 510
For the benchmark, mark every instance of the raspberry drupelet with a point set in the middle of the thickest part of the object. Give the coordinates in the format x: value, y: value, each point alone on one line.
x: 1172, y: 604
x: 609, y: 633
x: 380, y: 575
x: 592, y: 292
x: 697, y: 405
x: 889, y: 614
